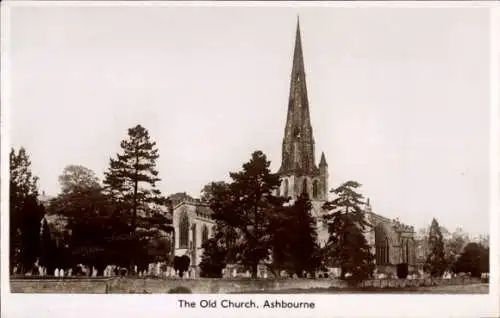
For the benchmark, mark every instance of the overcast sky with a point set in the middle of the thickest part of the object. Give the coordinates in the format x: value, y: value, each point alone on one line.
x: 399, y: 98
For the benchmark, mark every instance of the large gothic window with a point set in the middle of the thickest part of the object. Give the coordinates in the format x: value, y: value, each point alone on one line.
x: 304, y: 187
x: 381, y: 246
x: 407, y: 251
x: 194, y: 243
x: 386, y: 248
x: 404, y: 247
x: 204, y: 234
x: 315, y: 189
x: 184, y: 230
x: 285, y: 190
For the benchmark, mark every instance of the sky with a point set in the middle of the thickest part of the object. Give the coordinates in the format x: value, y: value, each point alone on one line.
x: 399, y: 97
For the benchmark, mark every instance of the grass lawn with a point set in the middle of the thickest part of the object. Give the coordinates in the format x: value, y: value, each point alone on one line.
x: 452, y: 289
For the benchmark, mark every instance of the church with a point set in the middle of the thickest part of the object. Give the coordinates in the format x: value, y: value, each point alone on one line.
x: 392, y: 241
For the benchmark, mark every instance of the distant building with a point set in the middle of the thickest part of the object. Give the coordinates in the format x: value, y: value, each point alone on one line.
x: 44, y: 198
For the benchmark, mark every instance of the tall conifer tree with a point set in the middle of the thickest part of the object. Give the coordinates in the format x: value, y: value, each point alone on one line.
x: 248, y: 206
x: 347, y: 246
x: 25, y: 212
x: 435, y: 263
x: 132, y: 175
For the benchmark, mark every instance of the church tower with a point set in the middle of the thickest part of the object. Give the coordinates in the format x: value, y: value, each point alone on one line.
x: 298, y: 171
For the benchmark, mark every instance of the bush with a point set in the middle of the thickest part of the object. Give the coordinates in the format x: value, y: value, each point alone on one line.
x: 180, y: 290
x: 181, y: 264
x: 402, y: 270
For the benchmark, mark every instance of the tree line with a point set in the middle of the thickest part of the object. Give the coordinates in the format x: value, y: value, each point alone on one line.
x: 256, y: 226
x: 126, y: 221
x: 122, y: 222
x: 453, y: 255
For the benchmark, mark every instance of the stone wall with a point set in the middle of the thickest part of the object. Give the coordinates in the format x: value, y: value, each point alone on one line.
x: 77, y: 286
x: 402, y: 283
x: 125, y: 285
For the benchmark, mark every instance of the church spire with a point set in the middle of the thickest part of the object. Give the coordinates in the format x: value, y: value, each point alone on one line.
x: 322, y: 161
x: 298, y: 143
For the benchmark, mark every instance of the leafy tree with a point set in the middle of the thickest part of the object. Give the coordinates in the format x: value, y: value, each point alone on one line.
x: 181, y: 264
x: 132, y: 176
x: 435, y: 262
x: 209, y: 190
x: 347, y: 246
x: 158, y: 244
x: 213, y: 260
x: 217, y: 195
x: 248, y: 206
x: 77, y: 178
x: 484, y: 241
x: 89, y: 219
x: 474, y: 260
x: 454, y: 245
x: 31, y: 223
x: 421, y: 243
x: 23, y: 183
x: 23, y: 190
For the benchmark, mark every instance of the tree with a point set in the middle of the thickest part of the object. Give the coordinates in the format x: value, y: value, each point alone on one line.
x: 248, y: 206
x: 421, y: 243
x: 31, y: 223
x: 435, y: 262
x: 23, y: 191
x: 295, y: 245
x: 85, y: 210
x: 76, y: 178
x: 484, y: 241
x: 132, y: 176
x: 347, y: 246
x: 181, y: 264
x: 158, y: 244
x: 454, y: 245
x: 23, y: 183
x: 213, y: 260
x: 209, y: 190
x: 474, y: 260
x: 48, y: 249
x: 280, y: 242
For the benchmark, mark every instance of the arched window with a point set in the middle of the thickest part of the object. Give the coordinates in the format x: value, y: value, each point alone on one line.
x: 315, y: 189
x: 386, y: 261
x: 381, y: 246
x: 304, y: 187
x: 184, y: 230
x: 204, y: 234
x: 404, y: 250
x: 407, y: 250
x: 285, y: 190
x: 194, y: 243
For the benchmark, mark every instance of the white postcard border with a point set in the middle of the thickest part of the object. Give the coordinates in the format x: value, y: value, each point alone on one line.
x: 355, y: 305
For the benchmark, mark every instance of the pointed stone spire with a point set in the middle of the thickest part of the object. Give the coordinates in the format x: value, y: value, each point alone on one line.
x: 322, y: 161
x: 298, y: 142
x: 298, y: 57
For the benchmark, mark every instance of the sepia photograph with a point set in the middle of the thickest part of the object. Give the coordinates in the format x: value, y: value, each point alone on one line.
x: 246, y: 150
